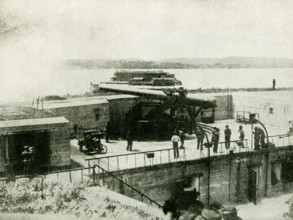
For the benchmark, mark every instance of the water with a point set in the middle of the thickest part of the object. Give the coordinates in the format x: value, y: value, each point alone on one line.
x: 61, y: 82
x: 193, y: 78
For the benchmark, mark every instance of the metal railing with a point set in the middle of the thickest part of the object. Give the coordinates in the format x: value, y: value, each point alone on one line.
x: 101, y: 176
x: 70, y: 175
x: 281, y: 140
x: 134, y: 160
x: 157, y: 157
x: 234, y: 146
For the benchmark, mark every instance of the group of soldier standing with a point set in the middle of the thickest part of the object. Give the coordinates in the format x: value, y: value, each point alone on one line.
x: 178, y: 136
x: 216, y: 137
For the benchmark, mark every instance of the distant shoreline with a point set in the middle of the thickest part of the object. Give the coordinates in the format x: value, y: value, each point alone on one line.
x: 181, y: 63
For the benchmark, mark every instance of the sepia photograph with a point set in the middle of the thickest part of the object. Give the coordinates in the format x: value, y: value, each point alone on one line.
x: 146, y: 110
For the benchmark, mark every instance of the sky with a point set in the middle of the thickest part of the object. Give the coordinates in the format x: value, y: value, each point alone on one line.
x: 148, y: 29
x: 34, y: 34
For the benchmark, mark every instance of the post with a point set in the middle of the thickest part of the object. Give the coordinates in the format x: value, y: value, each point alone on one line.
x: 230, y: 170
x: 103, y: 178
x: 209, y: 176
x: 94, y: 175
x: 108, y: 164
x: 82, y: 175
x: 43, y: 188
x: 70, y: 176
x: 252, y: 135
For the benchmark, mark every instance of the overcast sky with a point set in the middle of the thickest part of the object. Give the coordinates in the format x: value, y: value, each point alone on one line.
x: 34, y: 34
x: 147, y: 29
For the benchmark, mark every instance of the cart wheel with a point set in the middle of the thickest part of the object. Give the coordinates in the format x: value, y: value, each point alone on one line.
x: 104, y: 149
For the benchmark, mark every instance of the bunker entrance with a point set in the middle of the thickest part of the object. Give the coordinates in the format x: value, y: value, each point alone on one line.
x: 15, y: 145
x: 252, y: 183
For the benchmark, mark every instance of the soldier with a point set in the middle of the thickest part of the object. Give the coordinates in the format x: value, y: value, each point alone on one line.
x: 215, y: 139
x: 241, y: 136
x: 175, y: 139
x: 129, y: 140
x: 274, y: 84
x: 262, y: 137
x: 200, y: 138
x: 182, y: 138
x: 26, y: 159
x: 256, y: 139
x: 227, y: 136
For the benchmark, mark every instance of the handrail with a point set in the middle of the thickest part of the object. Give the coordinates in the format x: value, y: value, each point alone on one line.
x: 43, y: 174
x: 63, y: 171
x: 280, y: 135
x: 126, y: 184
x: 233, y: 141
x: 127, y: 154
x: 144, y: 152
x: 20, y: 177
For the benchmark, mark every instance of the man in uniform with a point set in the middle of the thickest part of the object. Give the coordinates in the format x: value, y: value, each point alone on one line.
x: 262, y: 137
x: 256, y: 139
x: 182, y: 138
x: 200, y: 138
x: 129, y: 140
x: 175, y: 139
x: 241, y: 136
x: 227, y: 137
x: 215, y: 139
x: 274, y: 84
x: 26, y: 159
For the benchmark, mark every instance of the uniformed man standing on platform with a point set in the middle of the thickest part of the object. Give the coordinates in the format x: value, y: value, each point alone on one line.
x: 200, y: 138
x: 227, y: 136
x: 256, y: 139
x: 129, y: 141
x: 175, y: 139
x: 241, y: 136
x: 215, y: 139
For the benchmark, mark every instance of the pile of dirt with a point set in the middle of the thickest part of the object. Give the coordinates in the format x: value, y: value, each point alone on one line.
x: 57, y: 198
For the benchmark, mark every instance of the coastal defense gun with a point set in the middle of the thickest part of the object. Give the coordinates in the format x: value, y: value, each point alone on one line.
x: 155, y: 114
x: 91, y: 142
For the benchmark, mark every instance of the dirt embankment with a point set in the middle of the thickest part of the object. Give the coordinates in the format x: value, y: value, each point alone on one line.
x: 26, y: 200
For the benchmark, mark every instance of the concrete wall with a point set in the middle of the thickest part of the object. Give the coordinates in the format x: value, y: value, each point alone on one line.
x: 228, y: 177
x: 60, y: 146
x: 224, y: 109
x: 273, y: 108
x: 83, y: 115
x: 59, y: 142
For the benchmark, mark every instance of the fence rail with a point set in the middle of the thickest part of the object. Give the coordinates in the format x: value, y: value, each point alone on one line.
x: 281, y: 140
x: 76, y: 175
x: 163, y: 156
